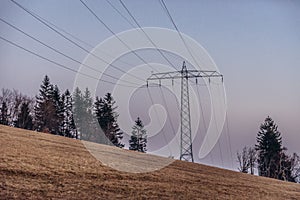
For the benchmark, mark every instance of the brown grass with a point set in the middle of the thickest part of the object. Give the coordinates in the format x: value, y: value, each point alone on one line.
x: 43, y: 166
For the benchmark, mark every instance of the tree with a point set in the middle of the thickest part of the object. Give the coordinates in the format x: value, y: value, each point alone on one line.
x: 14, y: 100
x: 289, y: 167
x: 138, y: 139
x: 285, y: 167
x: 101, y: 120
x: 58, y: 102
x: 45, y: 109
x: 68, y: 123
x: 6, y: 103
x: 4, y: 114
x: 24, y: 119
x: 269, y: 148
x: 17, y: 99
x: 83, y: 114
x: 105, y: 111
x: 243, y: 159
x: 295, y: 160
x: 252, y: 159
x: 78, y: 111
x: 246, y: 160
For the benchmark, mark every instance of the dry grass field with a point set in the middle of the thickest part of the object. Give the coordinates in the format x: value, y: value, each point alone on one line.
x: 43, y: 166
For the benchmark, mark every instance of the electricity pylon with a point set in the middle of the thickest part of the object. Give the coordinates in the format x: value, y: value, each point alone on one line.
x: 186, y: 148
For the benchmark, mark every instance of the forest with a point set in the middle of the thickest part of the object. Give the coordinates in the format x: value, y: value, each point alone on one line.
x: 70, y: 115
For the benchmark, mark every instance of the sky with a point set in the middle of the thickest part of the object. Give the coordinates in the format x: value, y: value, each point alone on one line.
x: 255, y: 44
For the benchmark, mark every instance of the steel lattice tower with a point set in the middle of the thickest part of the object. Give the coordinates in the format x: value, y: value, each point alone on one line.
x: 186, y: 148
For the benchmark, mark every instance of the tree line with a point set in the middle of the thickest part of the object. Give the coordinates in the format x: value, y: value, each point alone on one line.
x: 70, y: 115
x: 269, y: 156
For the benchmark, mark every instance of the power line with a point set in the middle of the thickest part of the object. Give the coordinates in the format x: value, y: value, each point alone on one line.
x: 112, y: 32
x: 172, y: 126
x: 203, y: 117
x: 164, y: 6
x: 162, y: 3
x: 157, y: 116
x: 59, y: 52
x: 220, y: 151
x: 151, y: 41
x: 63, y: 30
x: 118, y: 11
x: 56, y: 63
x: 137, y: 23
x: 76, y: 38
x: 76, y: 44
x: 228, y: 137
x: 227, y: 127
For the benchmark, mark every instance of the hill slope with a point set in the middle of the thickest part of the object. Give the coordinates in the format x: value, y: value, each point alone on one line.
x: 38, y: 166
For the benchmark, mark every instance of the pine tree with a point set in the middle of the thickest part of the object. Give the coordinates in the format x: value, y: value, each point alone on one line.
x: 45, y: 118
x: 4, y: 118
x: 138, y: 139
x: 89, y: 122
x: 68, y: 124
x: 78, y: 111
x: 100, y: 134
x: 105, y: 111
x: 24, y: 119
x: 83, y: 114
x: 59, y: 110
x: 269, y: 148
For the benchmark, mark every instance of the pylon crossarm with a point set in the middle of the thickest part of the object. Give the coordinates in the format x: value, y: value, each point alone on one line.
x: 188, y: 74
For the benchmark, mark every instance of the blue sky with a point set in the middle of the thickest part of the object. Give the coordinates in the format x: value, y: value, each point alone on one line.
x: 255, y: 44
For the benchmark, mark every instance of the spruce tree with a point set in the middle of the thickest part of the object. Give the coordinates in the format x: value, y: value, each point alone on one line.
x: 105, y: 111
x: 59, y: 110
x: 269, y: 149
x: 138, y: 139
x: 89, y: 123
x: 45, y: 117
x: 83, y: 114
x: 68, y: 124
x: 98, y: 115
x: 78, y: 111
x: 24, y: 119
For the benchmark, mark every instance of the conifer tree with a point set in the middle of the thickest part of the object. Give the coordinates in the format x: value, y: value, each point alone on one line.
x: 83, y: 114
x: 78, y: 111
x: 105, y: 111
x: 45, y: 118
x: 24, y: 119
x: 59, y: 110
x: 68, y: 124
x: 269, y: 149
x: 138, y: 139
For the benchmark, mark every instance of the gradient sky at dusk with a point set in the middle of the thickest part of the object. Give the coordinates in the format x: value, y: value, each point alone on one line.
x: 255, y: 44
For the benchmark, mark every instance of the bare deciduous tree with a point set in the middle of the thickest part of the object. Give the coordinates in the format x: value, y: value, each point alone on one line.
x: 247, y: 160
x: 243, y: 159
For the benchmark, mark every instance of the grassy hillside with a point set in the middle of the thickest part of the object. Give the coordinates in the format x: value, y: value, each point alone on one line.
x: 38, y: 166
